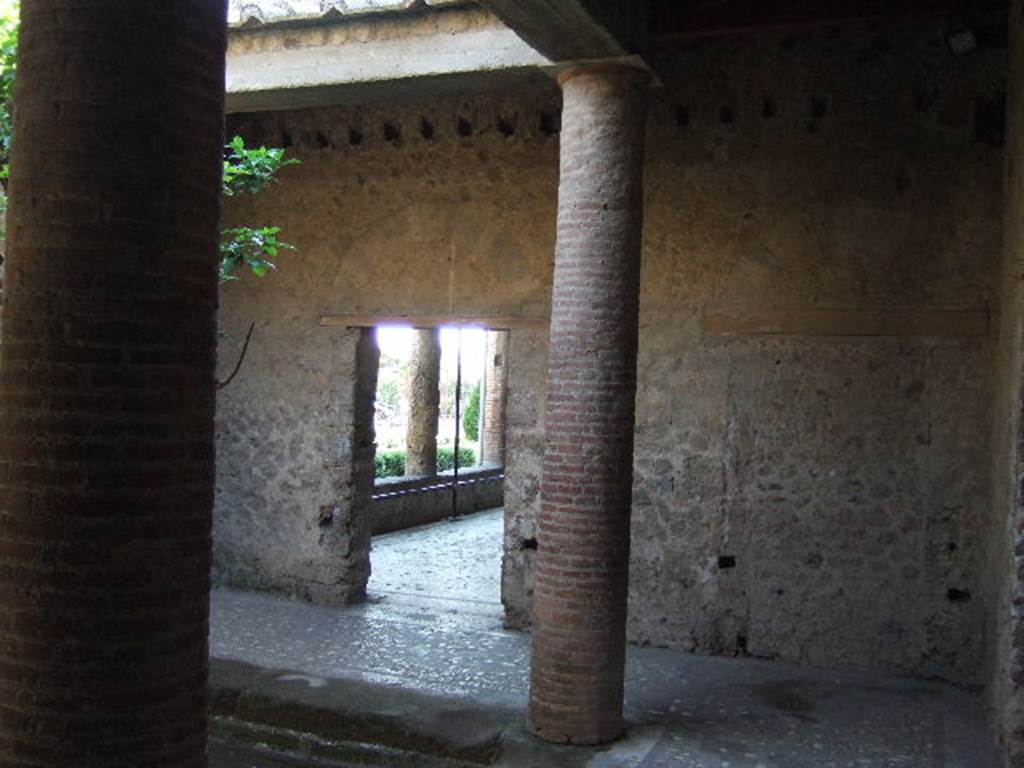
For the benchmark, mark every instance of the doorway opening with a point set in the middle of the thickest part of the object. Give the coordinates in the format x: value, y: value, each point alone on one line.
x: 436, y: 509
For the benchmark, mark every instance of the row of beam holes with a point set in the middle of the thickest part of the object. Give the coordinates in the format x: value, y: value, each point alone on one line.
x: 817, y: 111
x: 989, y: 115
x: 549, y: 124
x: 989, y: 122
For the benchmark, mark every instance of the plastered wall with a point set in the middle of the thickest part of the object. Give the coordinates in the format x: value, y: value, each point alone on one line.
x: 817, y: 498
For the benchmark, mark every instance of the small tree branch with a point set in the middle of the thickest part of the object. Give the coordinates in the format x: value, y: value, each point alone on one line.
x: 241, y: 359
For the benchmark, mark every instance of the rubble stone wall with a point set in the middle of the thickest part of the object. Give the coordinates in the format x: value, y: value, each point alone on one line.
x: 818, y: 494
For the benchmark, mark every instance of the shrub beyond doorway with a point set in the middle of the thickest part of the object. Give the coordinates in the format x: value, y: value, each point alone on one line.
x: 471, y: 416
x: 392, y: 463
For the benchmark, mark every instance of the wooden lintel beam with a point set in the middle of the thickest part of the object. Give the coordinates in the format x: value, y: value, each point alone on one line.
x: 739, y: 322
x: 495, y: 323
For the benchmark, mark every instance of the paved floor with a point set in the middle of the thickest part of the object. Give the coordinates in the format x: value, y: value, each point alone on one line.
x: 438, y: 632
x: 223, y: 755
x: 458, y: 561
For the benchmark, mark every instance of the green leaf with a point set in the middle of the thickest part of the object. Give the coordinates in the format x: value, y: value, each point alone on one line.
x: 245, y: 170
x: 253, y: 247
x: 251, y: 170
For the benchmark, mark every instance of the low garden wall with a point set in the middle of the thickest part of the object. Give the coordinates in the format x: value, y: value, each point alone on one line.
x: 406, y: 502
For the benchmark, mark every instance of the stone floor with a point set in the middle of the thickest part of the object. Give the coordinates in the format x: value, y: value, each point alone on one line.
x: 223, y: 755
x: 433, y: 625
x: 458, y: 560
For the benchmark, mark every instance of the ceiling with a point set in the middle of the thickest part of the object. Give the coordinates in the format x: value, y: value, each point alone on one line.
x: 678, y: 20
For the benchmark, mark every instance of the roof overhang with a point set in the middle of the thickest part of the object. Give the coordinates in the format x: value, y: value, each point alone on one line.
x: 576, y: 30
x: 333, y: 59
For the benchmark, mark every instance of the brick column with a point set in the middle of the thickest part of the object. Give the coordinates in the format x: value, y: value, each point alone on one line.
x: 582, y: 569
x: 424, y: 404
x: 106, y: 386
x: 492, y: 441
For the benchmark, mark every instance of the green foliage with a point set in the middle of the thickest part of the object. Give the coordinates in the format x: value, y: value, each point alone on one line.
x: 392, y: 463
x: 446, y: 458
x: 389, y: 464
x: 471, y: 416
x: 389, y: 395
x: 251, y: 170
x: 393, y: 373
x: 252, y: 247
x: 8, y: 55
x: 246, y: 170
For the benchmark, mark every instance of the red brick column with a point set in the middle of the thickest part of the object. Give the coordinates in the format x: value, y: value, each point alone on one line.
x: 582, y: 569
x: 106, y: 384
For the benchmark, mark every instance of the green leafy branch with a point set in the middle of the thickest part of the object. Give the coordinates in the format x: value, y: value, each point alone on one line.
x: 250, y: 171
x: 246, y: 171
x: 8, y: 57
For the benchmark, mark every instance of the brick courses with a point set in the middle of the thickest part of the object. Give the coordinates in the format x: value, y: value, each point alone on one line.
x: 583, y: 532
x: 106, y: 392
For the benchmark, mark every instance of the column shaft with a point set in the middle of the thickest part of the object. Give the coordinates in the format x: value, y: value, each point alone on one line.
x: 424, y: 404
x: 582, y: 564
x: 107, y: 384
x: 492, y: 441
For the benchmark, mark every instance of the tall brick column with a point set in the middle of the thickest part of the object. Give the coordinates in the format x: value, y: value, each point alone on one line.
x: 582, y: 567
x: 424, y: 404
x: 492, y: 441
x: 106, y: 384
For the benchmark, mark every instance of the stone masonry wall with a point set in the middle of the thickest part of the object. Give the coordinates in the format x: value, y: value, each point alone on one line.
x: 393, y: 210
x: 819, y: 499
x: 294, y: 454
x: 809, y: 497
x: 1005, y: 629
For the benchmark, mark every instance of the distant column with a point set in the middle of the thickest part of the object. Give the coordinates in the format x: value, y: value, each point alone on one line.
x: 424, y: 403
x: 495, y: 377
x: 582, y: 570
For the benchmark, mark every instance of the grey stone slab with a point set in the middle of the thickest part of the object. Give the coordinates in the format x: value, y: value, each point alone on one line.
x: 350, y: 711
x: 321, y: 60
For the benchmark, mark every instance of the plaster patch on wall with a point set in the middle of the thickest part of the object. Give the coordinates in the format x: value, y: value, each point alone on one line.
x: 344, y: 446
